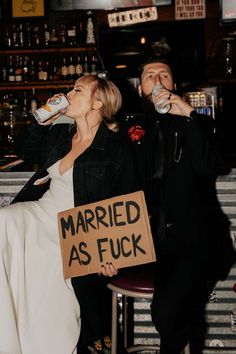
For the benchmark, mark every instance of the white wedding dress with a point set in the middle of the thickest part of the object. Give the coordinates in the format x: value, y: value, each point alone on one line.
x: 39, y: 313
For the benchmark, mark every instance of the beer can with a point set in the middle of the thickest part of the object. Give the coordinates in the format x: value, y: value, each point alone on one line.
x: 51, y: 108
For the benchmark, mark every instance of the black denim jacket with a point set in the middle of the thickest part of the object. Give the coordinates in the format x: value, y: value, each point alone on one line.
x: 104, y: 170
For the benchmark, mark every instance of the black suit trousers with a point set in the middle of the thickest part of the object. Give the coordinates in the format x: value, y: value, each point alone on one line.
x: 178, y: 306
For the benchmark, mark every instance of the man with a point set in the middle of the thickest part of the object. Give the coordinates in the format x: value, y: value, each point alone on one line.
x: 178, y: 161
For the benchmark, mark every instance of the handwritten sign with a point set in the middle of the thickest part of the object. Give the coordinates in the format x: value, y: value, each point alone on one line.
x: 115, y: 230
x: 190, y: 9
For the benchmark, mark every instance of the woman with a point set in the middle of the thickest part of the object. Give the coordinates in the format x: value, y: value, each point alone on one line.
x: 80, y: 163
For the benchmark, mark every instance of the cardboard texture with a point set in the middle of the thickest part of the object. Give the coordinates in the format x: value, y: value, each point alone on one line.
x: 115, y: 230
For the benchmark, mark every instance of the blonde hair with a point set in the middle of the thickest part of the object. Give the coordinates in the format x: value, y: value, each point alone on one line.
x: 108, y: 93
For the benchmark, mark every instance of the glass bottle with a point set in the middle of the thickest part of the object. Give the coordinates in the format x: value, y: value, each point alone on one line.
x: 33, y: 102
x: 11, y: 70
x: 18, y: 69
x: 21, y: 36
x: 78, y: 68
x: 90, y: 36
x: 46, y: 35
x: 71, y: 69
x: 86, y: 66
x: 64, y: 69
x: 94, y: 65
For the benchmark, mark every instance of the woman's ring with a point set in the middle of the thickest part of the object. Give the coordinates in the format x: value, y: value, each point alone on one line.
x: 169, y: 96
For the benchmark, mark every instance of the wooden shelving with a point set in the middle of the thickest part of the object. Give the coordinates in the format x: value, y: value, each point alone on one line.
x: 39, y: 85
x: 32, y: 51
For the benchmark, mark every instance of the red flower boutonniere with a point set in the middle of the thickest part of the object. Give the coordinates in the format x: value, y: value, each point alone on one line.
x: 136, y: 133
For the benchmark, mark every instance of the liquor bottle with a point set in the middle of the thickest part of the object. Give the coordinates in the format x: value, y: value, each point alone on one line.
x: 25, y: 70
x: 46, y: 35
x: 55, y: 73
x: 18, y: 69
x: 11, y: 70
x: 28, y: 36
x: 21, y: 36
x: 94, y: 66
x: 71, y: 69
x: 62, y: 34
x: 8, y: 40
x: 14, y: 34
x: 4, y: 73
x: 64, y: 69
x: 90, y: 36
x: 54, y: 39
x: 36, y: 39
x: 32, y: 71
x: 71, y: 36
x: 43, y: 71
x: 86, y: 66
x: 78, y: 68
x: 25, y: 113
x: 33, y: 102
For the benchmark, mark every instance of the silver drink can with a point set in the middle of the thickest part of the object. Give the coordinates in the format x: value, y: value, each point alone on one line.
x: 160, y: 105
x: 51, y: 108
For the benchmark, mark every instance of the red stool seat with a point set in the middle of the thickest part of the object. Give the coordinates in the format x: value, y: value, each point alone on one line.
x: 136, y: 282
x: 138, y: 279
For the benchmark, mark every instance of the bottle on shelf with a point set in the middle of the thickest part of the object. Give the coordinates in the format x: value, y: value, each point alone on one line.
x: 28, y: 36
x: 4, y: 75
x: 86, y: 66
x: 33, y: 102
x: 7, y: 40
x: 11, y: 70
x: 90, y: 36
x: 62, y: 34
x: 33, y: 71
x: 43, y: 70
x: 25, y: 112
x: 14, y: 35
x: 18, y: 69
x: 78, y: 68
x: 46, y: 35
x: 94, y: 66
x: 25, y: 70
x: 55, y: 73
x: 54, y: 39
x: 21, y: 36
x: 64, y: 69
x: 71, y: 36
x: 36, y: 38
x: 71, y: 69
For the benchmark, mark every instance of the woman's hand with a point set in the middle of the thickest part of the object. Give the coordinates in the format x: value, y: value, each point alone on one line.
x: 108, y: 270
x: 52, y: 119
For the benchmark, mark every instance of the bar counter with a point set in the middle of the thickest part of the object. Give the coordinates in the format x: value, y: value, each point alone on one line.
x: 221, y: 310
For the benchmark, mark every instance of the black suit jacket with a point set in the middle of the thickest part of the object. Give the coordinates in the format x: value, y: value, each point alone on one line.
x: 186, y: 216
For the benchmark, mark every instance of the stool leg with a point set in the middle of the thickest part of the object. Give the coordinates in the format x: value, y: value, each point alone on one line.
x: 125, y: 321
x: 114, y: 323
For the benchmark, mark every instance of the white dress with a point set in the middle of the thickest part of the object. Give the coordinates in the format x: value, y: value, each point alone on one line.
x: 39, y: 313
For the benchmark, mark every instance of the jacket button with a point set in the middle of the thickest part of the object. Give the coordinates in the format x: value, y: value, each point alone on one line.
x: 169, y: 225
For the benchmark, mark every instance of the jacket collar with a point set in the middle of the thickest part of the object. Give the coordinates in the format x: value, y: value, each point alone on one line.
x: 100, y: 137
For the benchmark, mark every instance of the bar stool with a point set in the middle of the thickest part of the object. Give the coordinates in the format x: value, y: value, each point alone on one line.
x: 134, y: 283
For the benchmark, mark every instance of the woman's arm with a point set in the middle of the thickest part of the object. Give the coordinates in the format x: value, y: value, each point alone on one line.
x: 31, y: 143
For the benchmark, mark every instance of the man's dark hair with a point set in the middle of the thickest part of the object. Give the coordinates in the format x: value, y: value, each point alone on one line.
x: 172, y: 63
x: 155, y: 59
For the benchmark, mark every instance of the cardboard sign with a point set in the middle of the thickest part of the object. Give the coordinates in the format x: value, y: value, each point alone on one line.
x: 115, y: 230
x: 190, y: 9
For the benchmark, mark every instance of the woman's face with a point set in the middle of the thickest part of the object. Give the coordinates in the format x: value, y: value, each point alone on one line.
x: 80, y: 99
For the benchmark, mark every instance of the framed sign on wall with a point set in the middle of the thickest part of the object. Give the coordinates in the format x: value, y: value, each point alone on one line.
x: 28, y: 8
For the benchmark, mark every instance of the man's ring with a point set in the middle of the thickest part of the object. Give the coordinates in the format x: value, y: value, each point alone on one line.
x: 169, y: 96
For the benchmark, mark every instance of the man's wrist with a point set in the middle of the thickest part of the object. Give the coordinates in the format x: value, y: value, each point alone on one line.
x: 192, y: 115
